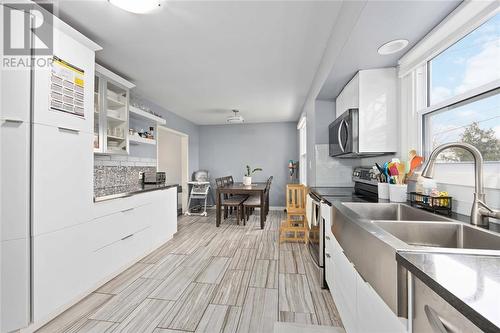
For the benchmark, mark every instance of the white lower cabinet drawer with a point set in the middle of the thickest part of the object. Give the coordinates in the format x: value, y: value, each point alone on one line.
x: 347, y: 280
x: 329, y: 245
x: 348, y: 317
x: 360, y: 307
x: 329, y: 269
x: 111, y: 228
x: 372, y: 312
x: 113, y: 258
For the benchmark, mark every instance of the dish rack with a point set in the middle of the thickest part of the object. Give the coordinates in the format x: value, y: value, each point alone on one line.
x: 441, y: 205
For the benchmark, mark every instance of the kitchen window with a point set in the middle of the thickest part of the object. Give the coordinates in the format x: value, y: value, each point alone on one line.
x: 463, y: 95
x: 468, y: 64
x: 302, y: 128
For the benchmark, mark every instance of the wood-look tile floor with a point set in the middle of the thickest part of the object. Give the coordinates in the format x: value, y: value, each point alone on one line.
x: 207, y: 279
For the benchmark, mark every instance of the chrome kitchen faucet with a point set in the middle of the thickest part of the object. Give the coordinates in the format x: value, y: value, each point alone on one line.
x: 480, y: 211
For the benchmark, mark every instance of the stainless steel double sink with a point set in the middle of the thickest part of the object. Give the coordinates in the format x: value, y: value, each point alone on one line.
x: 371, y: 233
x: 419, y: 228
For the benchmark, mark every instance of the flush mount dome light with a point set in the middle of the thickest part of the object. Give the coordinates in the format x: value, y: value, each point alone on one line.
x: 137, y: 6
x: 393, y: 46
x: 235, y: 119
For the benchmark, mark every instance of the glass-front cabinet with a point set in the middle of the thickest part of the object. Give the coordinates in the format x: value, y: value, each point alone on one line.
x: 111, y: 109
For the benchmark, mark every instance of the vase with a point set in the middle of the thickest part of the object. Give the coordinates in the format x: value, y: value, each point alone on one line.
x: 247, y: 181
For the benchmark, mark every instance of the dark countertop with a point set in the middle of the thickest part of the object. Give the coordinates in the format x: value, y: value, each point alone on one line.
x: 470, y: 283
x: 115, y: 192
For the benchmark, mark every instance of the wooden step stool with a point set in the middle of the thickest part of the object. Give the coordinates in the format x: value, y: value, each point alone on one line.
x: 295, y: 227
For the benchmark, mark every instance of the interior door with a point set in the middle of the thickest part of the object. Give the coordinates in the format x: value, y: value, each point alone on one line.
x: 173, y: 159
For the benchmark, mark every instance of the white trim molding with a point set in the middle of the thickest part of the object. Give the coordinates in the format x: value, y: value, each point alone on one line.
x: 465, y: 18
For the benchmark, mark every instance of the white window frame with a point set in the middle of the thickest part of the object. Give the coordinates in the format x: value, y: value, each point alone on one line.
x: 302, y: 128
x: 413, y: 70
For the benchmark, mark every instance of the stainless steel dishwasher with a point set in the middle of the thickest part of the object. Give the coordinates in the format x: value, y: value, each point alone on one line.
x: 432, y: 314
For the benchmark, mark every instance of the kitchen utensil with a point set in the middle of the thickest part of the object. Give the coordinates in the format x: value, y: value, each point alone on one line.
x: 386, y: 171
x: 401, y: 172
x: 411, y: 154
x: 415, y: 163
x: 379, y: 168
x: 393, y: 168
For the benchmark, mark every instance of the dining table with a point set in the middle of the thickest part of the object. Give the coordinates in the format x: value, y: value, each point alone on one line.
x: 240, y: 188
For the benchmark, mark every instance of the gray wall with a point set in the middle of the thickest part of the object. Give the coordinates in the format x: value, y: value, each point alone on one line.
x: 177, y: 123
x: 227, y: 149
x: 325, y: 114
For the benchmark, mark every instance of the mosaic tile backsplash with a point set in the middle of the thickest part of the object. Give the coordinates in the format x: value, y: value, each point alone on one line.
x: 108, y: 176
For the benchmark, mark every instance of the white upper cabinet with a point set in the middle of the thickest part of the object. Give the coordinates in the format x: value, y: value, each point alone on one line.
x: 54, y: 92
x: 111, y: 112
x: 373, y: 93
x: 349, y: 96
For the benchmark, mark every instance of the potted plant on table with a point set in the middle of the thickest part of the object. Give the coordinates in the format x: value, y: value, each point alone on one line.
x: 247, y: 179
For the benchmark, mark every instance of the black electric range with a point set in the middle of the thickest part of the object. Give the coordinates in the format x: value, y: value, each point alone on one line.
x: 343, y: 194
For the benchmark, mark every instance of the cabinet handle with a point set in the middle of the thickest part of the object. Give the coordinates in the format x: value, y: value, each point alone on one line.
x: 327, y: 237
x: 128, y: 210
x: 434, y: 320
x: 15, y: 121
x: 127, y: 236
x: 66, y: 129
x: 327, y: 255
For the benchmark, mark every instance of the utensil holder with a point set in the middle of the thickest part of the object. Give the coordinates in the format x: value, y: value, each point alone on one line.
x: 398, y: 193
x: 383, y: 190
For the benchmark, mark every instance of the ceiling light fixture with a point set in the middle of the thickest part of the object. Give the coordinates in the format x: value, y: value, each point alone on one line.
x: 137, y: 6
x: 393, y: 46
x: 235, y: 119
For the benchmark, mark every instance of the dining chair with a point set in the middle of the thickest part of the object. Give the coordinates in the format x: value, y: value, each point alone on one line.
x: 228, y: 202
x: 254, y: 202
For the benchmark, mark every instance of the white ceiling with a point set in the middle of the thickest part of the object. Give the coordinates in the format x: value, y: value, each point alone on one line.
x: 202, y: 59
x: 380, y: 22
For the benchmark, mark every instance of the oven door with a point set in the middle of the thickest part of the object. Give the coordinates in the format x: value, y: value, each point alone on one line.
x: 316, y: 235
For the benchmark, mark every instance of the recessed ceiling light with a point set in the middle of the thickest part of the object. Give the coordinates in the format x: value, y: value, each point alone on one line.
x: 393, y: 46
x: 137, y: 6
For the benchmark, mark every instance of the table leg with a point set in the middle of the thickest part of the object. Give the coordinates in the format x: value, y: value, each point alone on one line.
x: 217, y: 209
x: 262, y: 210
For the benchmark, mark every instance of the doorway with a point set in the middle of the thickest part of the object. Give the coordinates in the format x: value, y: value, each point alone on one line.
x: 172, y: 151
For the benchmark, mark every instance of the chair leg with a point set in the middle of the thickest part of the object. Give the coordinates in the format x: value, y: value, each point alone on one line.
x: 244, y: 213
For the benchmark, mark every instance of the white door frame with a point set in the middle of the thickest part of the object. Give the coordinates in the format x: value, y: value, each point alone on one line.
x: 185, y: 171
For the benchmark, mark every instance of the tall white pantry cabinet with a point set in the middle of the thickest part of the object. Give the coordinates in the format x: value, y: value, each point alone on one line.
x: 47, y: 172
x: 62, y: 180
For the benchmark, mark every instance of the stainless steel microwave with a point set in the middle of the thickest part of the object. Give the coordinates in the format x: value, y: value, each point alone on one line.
x: 343, y: 134
x: 344, y: 137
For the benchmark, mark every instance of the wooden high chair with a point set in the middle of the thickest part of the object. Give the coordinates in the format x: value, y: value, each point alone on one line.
x: 295, y: 227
